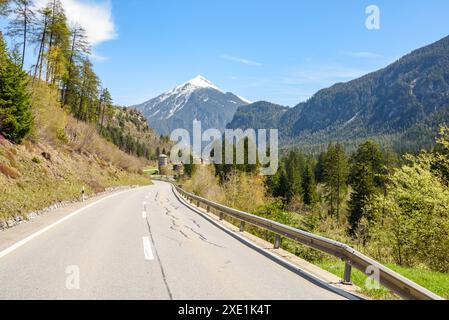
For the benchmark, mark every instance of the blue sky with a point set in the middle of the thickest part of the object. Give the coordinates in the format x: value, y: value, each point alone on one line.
x: 282, y: 51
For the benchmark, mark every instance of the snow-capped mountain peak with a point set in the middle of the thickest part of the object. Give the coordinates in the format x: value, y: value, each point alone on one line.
x: 201, y: 82
x: 197, y: 98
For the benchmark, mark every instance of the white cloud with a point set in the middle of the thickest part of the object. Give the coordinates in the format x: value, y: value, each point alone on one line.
x: 241, y: 60
x: 94, y: 16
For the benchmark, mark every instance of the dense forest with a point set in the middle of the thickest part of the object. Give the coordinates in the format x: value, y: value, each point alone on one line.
x: 372, y: 198
x: 63, y: 63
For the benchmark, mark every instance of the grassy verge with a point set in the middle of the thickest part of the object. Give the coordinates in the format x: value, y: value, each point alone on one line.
x: 29, y: 182
x: 434, y: 281
x: 337, y: 267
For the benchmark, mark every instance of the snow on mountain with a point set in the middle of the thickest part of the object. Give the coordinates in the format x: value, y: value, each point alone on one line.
x: 198, y: 99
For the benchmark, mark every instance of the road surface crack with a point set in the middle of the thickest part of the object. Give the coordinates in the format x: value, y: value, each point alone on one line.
x: 164, y: 277
x: 196, y: 223
x: 203, y: 238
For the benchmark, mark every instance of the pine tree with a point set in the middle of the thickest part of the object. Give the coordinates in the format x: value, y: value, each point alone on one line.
x: 293, y: 170
x: 319, y: 169
x: 335, y: 176
x: 366, y: 179
x: 16, y: 118
x: 308, y: 186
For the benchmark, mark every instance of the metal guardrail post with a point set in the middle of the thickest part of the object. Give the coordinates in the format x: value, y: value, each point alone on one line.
x: 221, y: 215
x: 348, y: 271
x: 242, y: 226
x: 277, y: 242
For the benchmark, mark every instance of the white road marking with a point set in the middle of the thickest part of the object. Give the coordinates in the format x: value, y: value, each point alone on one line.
x: 147, y: 249
x: 40, y: 232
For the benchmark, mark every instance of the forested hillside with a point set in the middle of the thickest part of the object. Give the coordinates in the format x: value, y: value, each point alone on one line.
x: 128, y: 129
x: 59, y: 129
x: 258, y: 115
x: 63, y: 63
x: 401, y: 105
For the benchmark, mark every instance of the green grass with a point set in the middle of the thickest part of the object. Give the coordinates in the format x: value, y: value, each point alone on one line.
x: 337, y: 267
x: 433, y: 281
x: 436, y: 282
x: 150, y: 170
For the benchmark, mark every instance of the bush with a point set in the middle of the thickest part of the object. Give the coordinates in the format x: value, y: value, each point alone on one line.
x: 36, y: 160
x: 412, y: 220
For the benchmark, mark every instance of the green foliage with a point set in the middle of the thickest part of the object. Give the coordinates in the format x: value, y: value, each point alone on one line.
x: 16, y: 119
x: 309, y: 186
x: 366, y: 179
x: 293, y: 168
x: 412, y: 219
x: 36, y: 160
x: 335, y: 174
x: 61, y: 136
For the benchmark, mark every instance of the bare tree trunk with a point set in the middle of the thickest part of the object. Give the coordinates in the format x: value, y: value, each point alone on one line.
x: 25, y: 30
x: 40, y: 57
x: 47, y: 77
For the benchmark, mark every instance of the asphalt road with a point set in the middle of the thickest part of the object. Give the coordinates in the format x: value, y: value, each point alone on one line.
x: 115, y: 250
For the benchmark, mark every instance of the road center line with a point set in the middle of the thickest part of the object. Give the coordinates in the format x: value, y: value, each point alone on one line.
x: 147, y: 249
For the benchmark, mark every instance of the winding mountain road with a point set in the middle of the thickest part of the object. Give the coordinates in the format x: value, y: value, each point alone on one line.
x: 114, y: 249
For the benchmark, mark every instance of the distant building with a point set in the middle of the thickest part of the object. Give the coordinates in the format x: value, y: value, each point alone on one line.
x: 163, y: 163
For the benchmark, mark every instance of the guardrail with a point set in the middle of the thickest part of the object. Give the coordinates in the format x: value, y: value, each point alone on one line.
x: 352, y: 258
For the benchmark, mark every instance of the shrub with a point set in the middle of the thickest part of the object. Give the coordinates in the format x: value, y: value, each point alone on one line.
x: 36, y: 160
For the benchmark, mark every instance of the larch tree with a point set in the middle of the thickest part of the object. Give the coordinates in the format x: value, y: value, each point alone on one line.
x: 40, y: 39
x: 79, y: 50
x: 22, y: 18
x: 105, y: 105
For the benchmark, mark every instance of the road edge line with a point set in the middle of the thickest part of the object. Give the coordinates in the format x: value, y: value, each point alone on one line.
x: 277, y: 259
x: 24, y: 241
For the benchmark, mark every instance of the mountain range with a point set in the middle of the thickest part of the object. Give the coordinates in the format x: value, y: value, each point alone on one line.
x: 402, y: 104
x: 198, y: 99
